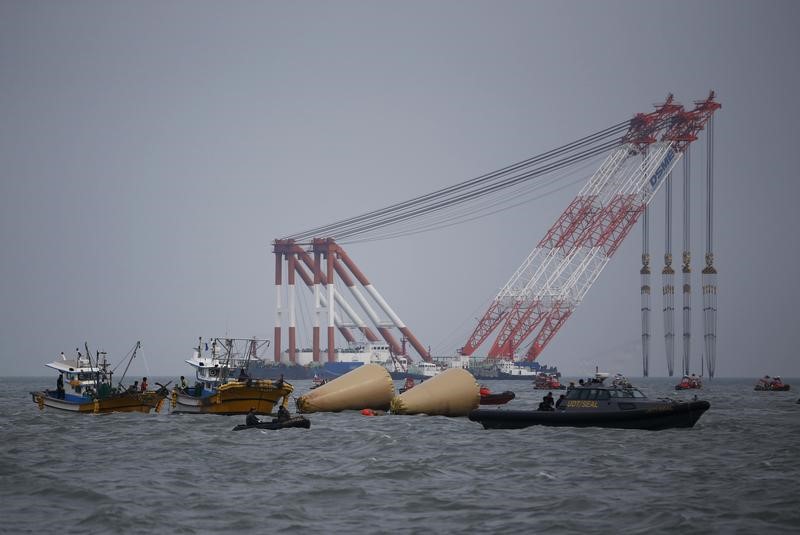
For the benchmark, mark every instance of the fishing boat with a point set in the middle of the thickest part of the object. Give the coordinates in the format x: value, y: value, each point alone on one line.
x: 87, y: 386
x: 500, y: 398
x: 223, y: 385
x: 595, y: 404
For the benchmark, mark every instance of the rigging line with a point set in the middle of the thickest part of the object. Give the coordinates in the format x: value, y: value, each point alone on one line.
x: 454, y: 334
x: 439, y: 227
x: 468, y: 183
x: 348, y: 230
x: 379, y: 215
x: 451, y: 189
x: 516, y: 194
x: 481, y: 203
x: 465, y: 197
x: 468, y: 196
x: 465, y: 211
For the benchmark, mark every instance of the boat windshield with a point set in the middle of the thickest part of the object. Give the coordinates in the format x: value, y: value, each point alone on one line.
x: 626, y: 393
x: 604, y: 393
x: 588, y: 393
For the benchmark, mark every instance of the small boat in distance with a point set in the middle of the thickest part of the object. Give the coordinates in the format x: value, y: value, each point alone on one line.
x: 595, y: 404
x: 318, y: 382
x: 89, y: 388
x: 223, y: 385
x: 501, y: 398
x: 408, y: 385
x: 547, y: 381
x: 771, y: 384
x: 690, y: 382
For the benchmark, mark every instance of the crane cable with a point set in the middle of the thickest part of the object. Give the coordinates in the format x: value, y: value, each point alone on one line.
x: 465, y: 191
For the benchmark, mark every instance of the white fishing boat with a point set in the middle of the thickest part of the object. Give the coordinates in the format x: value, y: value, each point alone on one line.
x: 87, y: 387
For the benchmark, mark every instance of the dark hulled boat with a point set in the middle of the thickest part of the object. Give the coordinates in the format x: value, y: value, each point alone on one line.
x: 296, y: 421
x: 598, y: 405
x: 499, y: 398
x: 771, y: 385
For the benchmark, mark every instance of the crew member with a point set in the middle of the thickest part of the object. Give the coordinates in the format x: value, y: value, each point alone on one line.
x: 144, y: 384
x: 252, y: 419
x: 60, y: 386
x: 243, y: 377
x: 545, y: 405
x: 283, y: 414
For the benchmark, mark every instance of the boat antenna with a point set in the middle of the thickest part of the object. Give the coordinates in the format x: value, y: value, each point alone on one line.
x: 132, y: 353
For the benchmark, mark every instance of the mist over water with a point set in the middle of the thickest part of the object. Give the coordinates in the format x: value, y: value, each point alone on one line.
x: 736, y: 471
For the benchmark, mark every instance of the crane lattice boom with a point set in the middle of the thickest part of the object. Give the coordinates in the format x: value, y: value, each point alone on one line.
x: 554, y: 278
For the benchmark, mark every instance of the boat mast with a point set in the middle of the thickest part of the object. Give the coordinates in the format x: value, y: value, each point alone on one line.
x: 133, y: 356
x: 97, y: 367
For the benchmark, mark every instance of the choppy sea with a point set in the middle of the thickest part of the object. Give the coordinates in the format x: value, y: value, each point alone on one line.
x: 736, y: 471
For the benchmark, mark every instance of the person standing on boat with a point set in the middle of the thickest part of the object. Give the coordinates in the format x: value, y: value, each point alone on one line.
x: 252, y: 419
x: 144, y: 384
x: 60, y: 385
x: 184, y: 386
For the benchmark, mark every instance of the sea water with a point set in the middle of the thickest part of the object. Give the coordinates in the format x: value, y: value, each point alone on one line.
x: 736, y: 471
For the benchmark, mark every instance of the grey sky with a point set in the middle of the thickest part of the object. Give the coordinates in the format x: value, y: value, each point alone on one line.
x: 152, y: 150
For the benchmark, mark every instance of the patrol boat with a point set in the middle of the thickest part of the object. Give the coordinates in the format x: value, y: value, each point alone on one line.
x: 596, y: 404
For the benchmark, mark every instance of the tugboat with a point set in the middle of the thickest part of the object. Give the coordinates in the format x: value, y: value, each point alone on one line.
x: 595, y: 404
x: 89, y: 388
x: 223, y: 385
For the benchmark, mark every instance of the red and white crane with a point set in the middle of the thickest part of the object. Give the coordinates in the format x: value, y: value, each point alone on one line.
x: 554, y: 278
x: 329, y: 261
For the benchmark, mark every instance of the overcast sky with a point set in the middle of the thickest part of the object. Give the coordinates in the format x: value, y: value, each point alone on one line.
x: 151, y: 151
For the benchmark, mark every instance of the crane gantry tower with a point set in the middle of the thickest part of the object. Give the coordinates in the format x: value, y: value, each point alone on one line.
x: 554, y: 278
